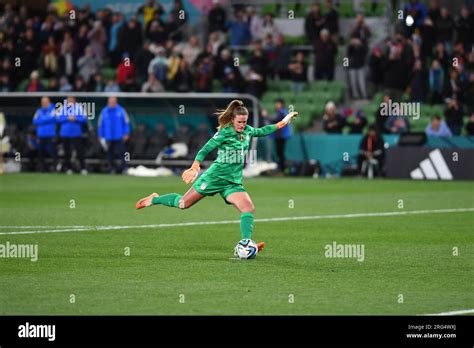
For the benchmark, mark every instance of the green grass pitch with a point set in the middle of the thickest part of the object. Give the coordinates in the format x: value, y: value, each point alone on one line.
x: 189, y: 270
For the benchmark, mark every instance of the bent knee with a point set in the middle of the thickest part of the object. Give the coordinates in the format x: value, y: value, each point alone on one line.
x: 249, y: 208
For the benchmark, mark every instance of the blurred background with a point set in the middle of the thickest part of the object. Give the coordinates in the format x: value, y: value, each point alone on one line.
x: 147, y: 76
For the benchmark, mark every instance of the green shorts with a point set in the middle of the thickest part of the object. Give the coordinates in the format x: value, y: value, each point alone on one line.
x: 209, y: 185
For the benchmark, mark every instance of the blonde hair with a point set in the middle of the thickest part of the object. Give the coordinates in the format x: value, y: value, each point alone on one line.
x: 225, y: 117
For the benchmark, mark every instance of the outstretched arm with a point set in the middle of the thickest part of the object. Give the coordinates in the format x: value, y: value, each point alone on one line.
x: 266, y: 130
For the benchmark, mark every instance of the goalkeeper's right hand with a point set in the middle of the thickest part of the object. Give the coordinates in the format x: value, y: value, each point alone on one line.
x: 287, y: 119
x: 190, y: 175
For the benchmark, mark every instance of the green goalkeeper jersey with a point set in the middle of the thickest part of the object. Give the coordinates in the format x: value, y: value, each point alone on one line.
x: 232, y: 150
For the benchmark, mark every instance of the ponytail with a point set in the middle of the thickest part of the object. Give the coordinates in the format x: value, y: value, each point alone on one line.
x: 225, y: 117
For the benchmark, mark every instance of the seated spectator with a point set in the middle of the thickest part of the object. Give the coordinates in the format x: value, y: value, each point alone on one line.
x: 371, y: 153
x: 255, y: 83
x: 52, y: 85
x: 157, y: 33
x: 112, y: 86
x: 152, y: 85
x: 64, y: 85
x: 6, y: 69
x: 204, y: 74
x: 79, y: 84
x: 333, y: 122
x: 34, y: 85
x: 190, y: 50
x: 232, y: 81
x: 358, y: 124
x: 298, y: 72
x: 97, y: 84
x: 5, y: 85
x: 397, y: 125
x: 183, y: 80
x: 470, y: 125
x: 455, y: 87
x: 159, y: 66
x: 453, y: 113
x: 127, y: 74
x: 438, y: 128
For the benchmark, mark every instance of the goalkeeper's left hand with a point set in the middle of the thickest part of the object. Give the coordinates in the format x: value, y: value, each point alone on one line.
x: 190, y: 175
x: 287, y: 119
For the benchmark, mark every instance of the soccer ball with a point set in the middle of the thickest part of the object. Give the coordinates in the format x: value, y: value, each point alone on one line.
x: 246, y: 249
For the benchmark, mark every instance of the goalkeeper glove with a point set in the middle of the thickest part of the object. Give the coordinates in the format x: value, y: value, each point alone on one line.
x: 190, y: 175
x: 287, y: 119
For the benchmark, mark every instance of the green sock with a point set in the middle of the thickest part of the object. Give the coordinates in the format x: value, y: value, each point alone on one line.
x: 170, y: 200
x: 246, y: 225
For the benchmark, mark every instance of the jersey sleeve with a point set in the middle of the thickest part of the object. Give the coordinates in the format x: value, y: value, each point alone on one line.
x: 263, y: 131
x: 216, y: 141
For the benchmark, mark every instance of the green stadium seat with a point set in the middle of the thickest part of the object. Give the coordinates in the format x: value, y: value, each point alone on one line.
x: 108, y: 74
x: 22, y: 85
x: 269, y: 8
x: 346, y: 9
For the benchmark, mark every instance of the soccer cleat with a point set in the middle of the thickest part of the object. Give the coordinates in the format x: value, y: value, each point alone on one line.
x: 146, y: 202
x: 260, y: 246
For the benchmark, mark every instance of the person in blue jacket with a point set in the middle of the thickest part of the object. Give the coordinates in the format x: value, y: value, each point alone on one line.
x: 281, y: 135
x: 45, y: 122
x: 72, y: 118
x: 114, y: 130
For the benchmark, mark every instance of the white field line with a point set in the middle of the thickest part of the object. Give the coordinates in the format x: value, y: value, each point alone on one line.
x: 27, y: 227
x: 59, y: 229
x: 462, y: 311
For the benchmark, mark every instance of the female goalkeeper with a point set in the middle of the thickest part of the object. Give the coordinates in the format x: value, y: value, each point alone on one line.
x: 224, y: 176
